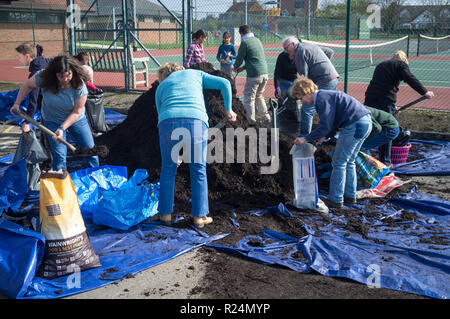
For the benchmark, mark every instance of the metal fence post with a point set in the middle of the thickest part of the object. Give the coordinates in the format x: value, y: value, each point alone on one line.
x: 125, y: 44
x: 71, y: 16
x: 347, y: 45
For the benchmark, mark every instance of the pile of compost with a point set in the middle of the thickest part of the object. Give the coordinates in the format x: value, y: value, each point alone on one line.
x: 135, y: 144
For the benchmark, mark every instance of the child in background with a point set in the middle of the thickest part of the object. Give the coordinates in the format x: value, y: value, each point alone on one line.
x: 226, y: 54
x: 83, y: 60
x: 33, y: 58
x: 195, y: 53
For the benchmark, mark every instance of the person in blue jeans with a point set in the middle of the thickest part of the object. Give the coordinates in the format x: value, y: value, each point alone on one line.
x: 337, y: 111
x: 314, y: 63
x: 64, y: 95
x: 384, y: 129
x: 183, y: 123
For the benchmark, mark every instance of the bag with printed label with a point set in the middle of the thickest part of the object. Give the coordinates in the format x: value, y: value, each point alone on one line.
x: 305, y: 179
x: 67, y: 246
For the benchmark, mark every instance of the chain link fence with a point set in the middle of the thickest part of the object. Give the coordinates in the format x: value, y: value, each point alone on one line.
x: 127, y: 44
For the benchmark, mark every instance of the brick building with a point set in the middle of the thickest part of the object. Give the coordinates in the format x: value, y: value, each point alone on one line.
x: 40, y: 22
x: 148, y: 16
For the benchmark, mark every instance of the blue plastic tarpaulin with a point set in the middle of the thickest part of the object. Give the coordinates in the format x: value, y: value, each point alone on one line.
x: 113, y: 118
x: 121, y: 254
x: 435, y: 161
x: 411, y: 256
x: 13, y: 186
x: 408, y: 255
x: 7, y: 100
x: 108, y: 198
x: 21, y: 251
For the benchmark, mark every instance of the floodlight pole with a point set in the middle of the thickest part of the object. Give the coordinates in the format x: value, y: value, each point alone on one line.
x: 347, y: 45
x: 308, y: 19
x: 126, y: 44
x: 245, y: 15
x: 71, y: 26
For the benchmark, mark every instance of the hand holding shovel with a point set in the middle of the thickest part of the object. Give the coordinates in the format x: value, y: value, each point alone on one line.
x: 100, y: 150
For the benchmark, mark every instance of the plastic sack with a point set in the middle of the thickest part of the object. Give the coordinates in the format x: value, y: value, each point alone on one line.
x: 31, y: 149
x: 135, y: 201
x: 402, y: 138
x: 67, y: 247
x: 89, y: 181
x: 95, y: 112
x: 7, y: 100
x: 13, y: 187
x: 370, y: 170
x: 305, y: 180
x: 21, y: 251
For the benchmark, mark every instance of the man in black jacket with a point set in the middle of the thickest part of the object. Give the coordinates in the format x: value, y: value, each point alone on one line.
x: 382, y: 90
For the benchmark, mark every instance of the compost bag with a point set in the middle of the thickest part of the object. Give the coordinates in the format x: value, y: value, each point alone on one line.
x: 67, y: 247
x: 95, y: 112
x: 305, y: 179
x: 370, y: 170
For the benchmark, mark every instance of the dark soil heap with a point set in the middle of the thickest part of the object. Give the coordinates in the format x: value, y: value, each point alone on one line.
x: 135, y: 143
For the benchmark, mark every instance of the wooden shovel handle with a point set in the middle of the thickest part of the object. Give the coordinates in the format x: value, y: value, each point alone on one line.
x: 46, y: 130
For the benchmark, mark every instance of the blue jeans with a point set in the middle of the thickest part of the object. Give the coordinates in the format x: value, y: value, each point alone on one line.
x: 285, y: 85
x: 380, y: 139
x: 193, y: 134
x: 343, y: 176
x: 308, y: 111
x: 384, y: 104
x: 81, y: 133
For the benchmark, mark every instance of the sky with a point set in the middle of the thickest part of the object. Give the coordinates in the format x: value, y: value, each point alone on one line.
x: 220, y: 6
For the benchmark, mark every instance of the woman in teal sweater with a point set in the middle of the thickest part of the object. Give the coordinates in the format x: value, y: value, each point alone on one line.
x: 183, y: 122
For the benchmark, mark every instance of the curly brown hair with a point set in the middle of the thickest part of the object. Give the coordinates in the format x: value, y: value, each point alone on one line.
x: 61, y: 64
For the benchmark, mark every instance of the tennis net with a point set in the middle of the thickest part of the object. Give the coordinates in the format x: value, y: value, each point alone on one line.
x: 363, y: 55
x: 432, y: 45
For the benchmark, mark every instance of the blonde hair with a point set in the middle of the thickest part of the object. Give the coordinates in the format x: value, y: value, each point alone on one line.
x: 400, y: 55
x: 26, y: 48
x: 302, y: 86
x: 168, y: 68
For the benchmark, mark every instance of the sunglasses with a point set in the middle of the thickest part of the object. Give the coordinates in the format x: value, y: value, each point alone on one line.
x: 286, y: 47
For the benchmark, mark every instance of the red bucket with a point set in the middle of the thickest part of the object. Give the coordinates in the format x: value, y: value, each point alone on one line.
x: 399, y: 154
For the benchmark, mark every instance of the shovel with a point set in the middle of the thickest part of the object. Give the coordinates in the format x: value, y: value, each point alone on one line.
x: 221, y: 123
x: 100, y: 150
x: 11, y: 120
x: 420, y: 99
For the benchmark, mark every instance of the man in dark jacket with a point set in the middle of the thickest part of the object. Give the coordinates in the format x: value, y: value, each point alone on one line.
x: 36, y: 62
x: 284, y: 76
x: 382, y: 90
x: 314, y: 63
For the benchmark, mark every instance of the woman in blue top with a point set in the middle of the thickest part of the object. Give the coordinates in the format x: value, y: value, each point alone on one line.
x: 64, y: 94
x: 183, y: 123
x: 337, y: 112
x: 226, y: 54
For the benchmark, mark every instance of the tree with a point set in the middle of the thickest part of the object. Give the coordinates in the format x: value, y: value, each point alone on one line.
x: 338, y: 9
